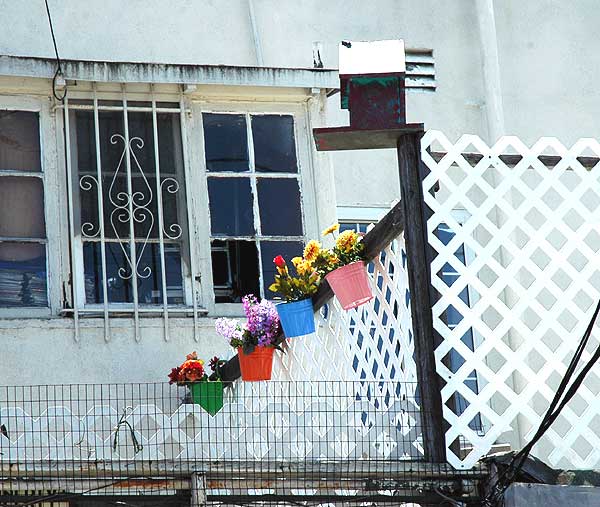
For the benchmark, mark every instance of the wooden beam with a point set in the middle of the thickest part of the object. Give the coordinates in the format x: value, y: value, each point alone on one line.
x: 351, y: 138
x: 198, y: 490
x: 384, y: 232
x: 419, y: 279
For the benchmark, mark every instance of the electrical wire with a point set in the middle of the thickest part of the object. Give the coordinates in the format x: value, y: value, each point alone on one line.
x: 59, y: 71
x: 560, y: 400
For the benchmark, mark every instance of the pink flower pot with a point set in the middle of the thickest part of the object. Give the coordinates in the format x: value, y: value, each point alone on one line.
x: 350, y: 284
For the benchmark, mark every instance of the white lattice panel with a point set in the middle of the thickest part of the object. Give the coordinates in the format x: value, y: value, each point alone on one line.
x: 524, y: 294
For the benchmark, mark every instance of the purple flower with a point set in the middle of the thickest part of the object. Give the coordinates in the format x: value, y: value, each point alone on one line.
x: 262, y: 320
x: 229, y: 329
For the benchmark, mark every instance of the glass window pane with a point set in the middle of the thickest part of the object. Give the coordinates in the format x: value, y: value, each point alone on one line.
x: 23, y: 274
x: 271, y: 249
x: 279, y: 203
x: 235, y: 270
x: 19, y: 141
x: 22, y: 207
x: 119, y: 281
x: 225, y: 142
x: 274, y: 144
x: 231, y: 206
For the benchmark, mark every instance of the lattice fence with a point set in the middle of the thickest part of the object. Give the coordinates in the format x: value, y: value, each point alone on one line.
x: 518, y: 273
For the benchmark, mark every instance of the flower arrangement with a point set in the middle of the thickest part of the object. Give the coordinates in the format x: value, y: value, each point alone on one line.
x: 348, y: 248
x: 205, y: 390
x: 343, y: 266
x: 254, y: 340
x: 307, y: 279
x: 192, y: 370
x: 261, y: 328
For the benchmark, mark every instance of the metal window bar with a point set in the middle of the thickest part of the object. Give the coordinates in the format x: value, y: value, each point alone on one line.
x: 101, y: 215
x: 71, y: 196
x: 130, y: 201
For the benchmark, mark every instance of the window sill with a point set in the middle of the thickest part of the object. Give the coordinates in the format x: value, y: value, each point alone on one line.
x: 128, y: 311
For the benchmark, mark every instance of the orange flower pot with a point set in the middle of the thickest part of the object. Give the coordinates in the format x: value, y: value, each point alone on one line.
x: 350, y: 284
x: 257, y: 365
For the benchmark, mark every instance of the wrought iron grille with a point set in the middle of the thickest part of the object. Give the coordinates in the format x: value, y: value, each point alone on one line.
x: 271, y: 440
x: 130, y: 243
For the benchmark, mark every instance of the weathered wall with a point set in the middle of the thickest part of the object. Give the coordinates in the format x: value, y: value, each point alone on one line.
x: 212, y: 32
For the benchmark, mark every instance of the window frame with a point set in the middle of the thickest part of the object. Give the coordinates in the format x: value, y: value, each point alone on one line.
x: 305, y: 178
x: 52, y: 201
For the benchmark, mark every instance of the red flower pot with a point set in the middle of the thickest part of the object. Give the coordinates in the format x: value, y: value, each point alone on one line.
x: 350, y: 284
x: 257, y: 365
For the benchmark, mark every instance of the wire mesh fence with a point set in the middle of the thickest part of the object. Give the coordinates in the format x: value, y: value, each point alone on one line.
x: 310, y: 441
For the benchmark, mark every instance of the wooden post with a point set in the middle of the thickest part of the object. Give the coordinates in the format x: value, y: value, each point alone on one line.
x: 419, y: 279
x: 198, y: 487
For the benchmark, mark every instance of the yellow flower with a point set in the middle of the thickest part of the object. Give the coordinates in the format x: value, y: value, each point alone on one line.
x: 304, y: 268
x: 311, y: 250
x: 346, y: 240
x: 296, y: 261
x: 331, y: 229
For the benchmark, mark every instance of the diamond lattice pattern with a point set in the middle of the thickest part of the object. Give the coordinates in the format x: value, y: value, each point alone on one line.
x: 531, y: 237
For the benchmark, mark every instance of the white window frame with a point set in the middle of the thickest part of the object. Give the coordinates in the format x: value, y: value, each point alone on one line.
x: 302, y: 134
x: 52, y: 202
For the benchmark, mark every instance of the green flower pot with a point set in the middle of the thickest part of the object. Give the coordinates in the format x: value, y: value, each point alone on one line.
x: 209, y: 395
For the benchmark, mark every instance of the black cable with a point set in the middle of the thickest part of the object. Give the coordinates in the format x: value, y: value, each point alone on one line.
x: 59, y: 71
x: 556, y: 406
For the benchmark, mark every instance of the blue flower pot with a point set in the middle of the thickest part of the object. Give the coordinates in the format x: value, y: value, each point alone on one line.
x: 297, y: 317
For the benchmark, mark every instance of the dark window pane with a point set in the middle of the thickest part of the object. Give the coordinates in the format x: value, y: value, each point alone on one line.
x: 23, y: 274
x: 119, y: 280
x: 225, y: 142
x: 235, y: 270
x: 348, y: 227
x: 274, y: 144
x: 279, y: 203
x: 19, y: 141
x: 231, y: 206
x: 271, y: 249
x: 22, y: 207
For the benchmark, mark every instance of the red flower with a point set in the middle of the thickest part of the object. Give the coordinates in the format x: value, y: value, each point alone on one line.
x: 174, y: 375
x: 214, y: 362
x: 192, y: 355
x: 279, y: 261
x: 192, y: 370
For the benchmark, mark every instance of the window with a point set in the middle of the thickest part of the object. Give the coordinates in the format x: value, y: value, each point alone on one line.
x: 23, y: 266
x: 254, y: 198
x: 129, y: 206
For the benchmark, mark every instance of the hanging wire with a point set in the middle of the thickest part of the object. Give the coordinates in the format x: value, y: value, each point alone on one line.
x: 137, y: 447
x: 59, y: 71
x: 561, y: 398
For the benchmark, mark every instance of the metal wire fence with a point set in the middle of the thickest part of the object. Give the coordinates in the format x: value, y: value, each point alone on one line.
x: 255, y: 441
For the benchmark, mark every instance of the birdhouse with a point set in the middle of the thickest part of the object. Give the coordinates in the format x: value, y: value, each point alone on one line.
x: 372, y: 83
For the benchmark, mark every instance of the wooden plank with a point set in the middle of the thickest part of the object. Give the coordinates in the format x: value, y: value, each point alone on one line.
x: 419, y: 279
x: 349, y: 138
x: 382, y: 234
x: 198, y: 496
